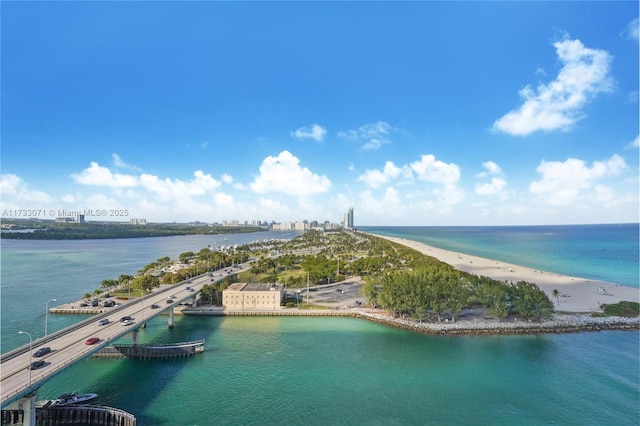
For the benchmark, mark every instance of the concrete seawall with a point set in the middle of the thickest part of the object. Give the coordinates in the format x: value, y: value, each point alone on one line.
x: 558, y: 324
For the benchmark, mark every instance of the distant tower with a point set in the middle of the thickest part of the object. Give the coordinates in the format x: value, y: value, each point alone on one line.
x: 348, y: 219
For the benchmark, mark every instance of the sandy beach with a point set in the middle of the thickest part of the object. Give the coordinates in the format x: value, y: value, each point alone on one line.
x: 577, y: 294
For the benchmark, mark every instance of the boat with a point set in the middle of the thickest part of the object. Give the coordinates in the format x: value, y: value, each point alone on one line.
x: 74, y: 398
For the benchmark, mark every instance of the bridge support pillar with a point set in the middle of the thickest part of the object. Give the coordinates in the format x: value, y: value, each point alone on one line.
x: 26, y: 404
x: 171, y: 317
x: 135, y: 337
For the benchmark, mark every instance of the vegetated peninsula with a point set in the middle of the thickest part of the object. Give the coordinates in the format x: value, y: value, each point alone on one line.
x: 38, y: 230
x: 397, y: 283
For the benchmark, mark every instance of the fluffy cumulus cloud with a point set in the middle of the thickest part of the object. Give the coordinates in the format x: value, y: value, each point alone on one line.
x: 371, y: 136
x: 97, y: 175
x: 377, y: 178
x: 634, y: 143
x: 439, y: 195
x: 284, y: 174
x: 562, y: 183
x: 496, y: 186
x: 315, y: 132
x: 15, y: 190
x: 431, y: 170
x: 490, y: 169
x: 558, y: 105
x: 427, y: 169
x: 178, y: 189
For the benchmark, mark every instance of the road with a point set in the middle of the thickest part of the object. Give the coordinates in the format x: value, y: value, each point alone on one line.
x: 68, y: 345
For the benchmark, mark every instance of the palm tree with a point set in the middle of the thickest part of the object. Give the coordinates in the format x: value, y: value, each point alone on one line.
x: 556, y: 294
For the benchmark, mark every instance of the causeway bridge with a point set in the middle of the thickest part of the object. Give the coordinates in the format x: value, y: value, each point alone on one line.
x: 19, y: 384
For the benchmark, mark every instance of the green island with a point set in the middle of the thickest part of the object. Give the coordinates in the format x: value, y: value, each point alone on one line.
x: 394, y: 279
x: 39, y: 230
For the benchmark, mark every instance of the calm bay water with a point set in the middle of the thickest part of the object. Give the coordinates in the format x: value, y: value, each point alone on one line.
x: 319, y: 370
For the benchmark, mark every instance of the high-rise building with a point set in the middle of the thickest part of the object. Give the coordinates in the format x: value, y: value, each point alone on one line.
x: 348, y: 219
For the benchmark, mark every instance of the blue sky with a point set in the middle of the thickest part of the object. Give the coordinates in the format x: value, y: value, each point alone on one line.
x: 417, y: 113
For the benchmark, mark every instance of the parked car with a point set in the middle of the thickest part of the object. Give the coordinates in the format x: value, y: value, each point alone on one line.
x: 103, y: 321
x: 92, y: 340
x: 109, y: 304
x: 37, y: 364
x: 42, y: 351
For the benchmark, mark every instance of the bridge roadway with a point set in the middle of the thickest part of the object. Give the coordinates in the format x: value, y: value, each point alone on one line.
x: 68, y: 345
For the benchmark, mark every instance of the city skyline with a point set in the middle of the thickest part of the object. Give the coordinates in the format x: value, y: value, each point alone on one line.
x: 419, y: 113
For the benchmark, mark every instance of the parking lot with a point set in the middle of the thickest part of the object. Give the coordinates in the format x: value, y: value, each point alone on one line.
x: 345, y: 295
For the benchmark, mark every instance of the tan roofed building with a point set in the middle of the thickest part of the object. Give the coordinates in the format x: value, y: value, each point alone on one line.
x: 249, y: 296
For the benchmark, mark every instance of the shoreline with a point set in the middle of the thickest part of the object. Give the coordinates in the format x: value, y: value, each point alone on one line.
x: 558, y: 324
x: 577, y: 295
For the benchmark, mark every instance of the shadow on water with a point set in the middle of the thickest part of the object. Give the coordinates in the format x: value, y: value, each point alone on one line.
x: 138, y: 382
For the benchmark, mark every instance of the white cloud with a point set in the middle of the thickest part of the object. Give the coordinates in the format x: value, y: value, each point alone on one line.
x: 15, y: 190
x: 387, y: 208
x: 179, y: 189
x: 228, y: 179
x: 631, y: 32
x: 490, y: 169
x: 563, y: 182
x: 119, y: 163
x: 439, y: 198
x: 98, y: 175
x: 377, y: 178
x: 634, y: 143
x: 431, y: 170
x: 558, y: 104
x: 284, y: 174
x: 315, y: 132
x: 495, y: 187
x: 372, y: 135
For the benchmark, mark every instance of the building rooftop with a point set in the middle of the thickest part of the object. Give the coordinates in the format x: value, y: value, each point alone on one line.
x: 253, y: 286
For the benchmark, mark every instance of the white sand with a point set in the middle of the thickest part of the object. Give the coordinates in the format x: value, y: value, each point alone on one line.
x: 579, y: 294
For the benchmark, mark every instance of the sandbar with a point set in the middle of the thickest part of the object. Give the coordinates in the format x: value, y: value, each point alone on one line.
x: 576, y: 294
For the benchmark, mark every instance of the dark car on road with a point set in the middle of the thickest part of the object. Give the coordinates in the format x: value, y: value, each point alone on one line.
x: 154, y: 306
x: 37, y: 364
x: 127, y: 318
x: 42, y: 351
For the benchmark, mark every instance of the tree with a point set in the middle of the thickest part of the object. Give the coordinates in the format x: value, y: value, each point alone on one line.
x: 530, y: 302
x: 109, y: 284
x: 556, y: 294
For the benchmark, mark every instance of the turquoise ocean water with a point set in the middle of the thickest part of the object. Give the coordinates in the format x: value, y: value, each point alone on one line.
x: 323, y: 371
